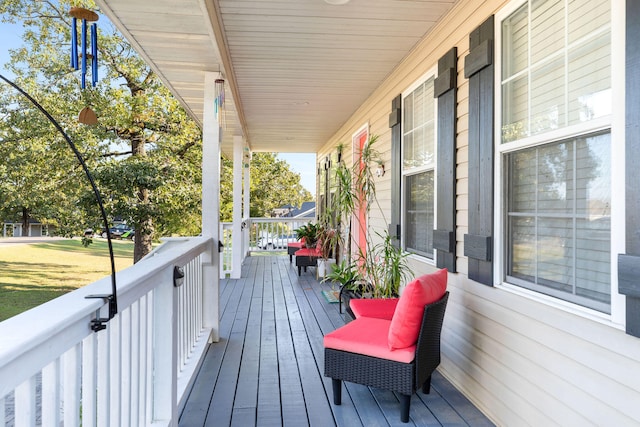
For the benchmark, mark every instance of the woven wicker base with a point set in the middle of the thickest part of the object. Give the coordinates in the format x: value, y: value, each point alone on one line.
x: 403, y: 378
x: 371, y: 371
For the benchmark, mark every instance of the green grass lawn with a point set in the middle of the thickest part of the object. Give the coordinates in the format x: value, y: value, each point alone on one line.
x: 32, y: 274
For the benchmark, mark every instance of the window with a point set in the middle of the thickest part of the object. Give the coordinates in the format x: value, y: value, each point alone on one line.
x: 418, y: 168
x: 555, y: 145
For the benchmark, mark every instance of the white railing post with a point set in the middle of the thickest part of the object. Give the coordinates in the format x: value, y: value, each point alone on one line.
x: 236, y: 263
x: 210, y: 293
x: 246, y: 212
x: 165, y: 371
x: 25, y: 403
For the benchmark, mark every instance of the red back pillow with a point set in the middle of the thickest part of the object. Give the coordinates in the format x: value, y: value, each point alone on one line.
x: 406, y: 321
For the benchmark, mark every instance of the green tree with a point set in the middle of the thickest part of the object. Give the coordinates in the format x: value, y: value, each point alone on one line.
x: 273, y: 184
x: 145, y: 152
x: 151, y: 182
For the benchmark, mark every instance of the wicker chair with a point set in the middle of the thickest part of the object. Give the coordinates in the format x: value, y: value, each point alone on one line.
x: 403, y: 378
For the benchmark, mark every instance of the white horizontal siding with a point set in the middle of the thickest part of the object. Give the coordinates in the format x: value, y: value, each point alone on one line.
x: 521, y: 358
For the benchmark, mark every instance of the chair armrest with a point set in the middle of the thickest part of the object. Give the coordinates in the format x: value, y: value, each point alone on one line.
x: 380, y: 308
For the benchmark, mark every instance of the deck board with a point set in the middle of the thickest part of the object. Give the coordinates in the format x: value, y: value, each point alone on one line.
x: 267, y: 370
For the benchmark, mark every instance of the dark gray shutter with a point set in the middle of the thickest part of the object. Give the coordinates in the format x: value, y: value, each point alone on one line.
x: 396, y: 167
x: 446, y: 90
x: 629, y: 263
x: 479, y: 69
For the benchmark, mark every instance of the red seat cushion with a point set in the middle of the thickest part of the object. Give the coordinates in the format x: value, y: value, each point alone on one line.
x: 368, y: 335
x: 308, y: 252
x: 407, y: 319
x: 381, y: 308
x: 295, y: 245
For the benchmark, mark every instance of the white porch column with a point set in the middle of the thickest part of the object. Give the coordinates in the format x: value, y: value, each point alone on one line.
x: 236, y: 264
x: 247, y: 197
x: 211, y: 136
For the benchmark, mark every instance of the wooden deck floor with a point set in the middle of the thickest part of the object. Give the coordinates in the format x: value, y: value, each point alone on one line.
x: 267, y: 369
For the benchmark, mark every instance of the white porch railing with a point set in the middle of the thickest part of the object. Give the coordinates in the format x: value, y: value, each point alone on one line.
x: 54, y: 370
x: 226, y: 256
x: 262, y: 235
x: 272, y: 234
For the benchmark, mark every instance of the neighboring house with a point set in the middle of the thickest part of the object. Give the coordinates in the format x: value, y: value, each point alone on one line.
x: 306, y: 210
x: 282, y: 211
x: 509, y: 133
x: 15, y: 229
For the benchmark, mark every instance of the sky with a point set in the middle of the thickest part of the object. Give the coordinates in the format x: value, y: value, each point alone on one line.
x: 302, y: 163
x: 305, y: 165
x: 9, y: 38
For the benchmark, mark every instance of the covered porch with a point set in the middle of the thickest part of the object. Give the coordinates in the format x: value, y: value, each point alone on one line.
x: 267, y: 368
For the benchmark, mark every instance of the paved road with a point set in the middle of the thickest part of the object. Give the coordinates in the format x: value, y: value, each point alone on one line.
x: 10, y: 241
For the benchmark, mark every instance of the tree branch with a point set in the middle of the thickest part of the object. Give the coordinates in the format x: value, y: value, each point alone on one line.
x: 183, y: 150
x: 116, y: 153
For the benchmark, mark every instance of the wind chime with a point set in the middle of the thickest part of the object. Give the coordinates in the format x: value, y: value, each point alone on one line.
x: 87, y: 57
x: 219, y: 101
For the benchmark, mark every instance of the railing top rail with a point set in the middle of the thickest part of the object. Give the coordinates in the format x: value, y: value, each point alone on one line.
x: 285, y: 219
x: 57, y: 325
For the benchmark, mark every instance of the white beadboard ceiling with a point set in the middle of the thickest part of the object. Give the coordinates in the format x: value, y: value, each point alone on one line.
x: 295, y: 70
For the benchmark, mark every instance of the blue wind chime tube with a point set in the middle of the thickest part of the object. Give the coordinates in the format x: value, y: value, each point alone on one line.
x: 79, y: 60
x: 74, y: 43
x: 83, y: 72
x: 219, y: 101
x: 94, y: 54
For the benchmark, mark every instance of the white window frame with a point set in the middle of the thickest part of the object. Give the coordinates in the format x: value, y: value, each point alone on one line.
x: 615, y: 123
x: 431, y: 73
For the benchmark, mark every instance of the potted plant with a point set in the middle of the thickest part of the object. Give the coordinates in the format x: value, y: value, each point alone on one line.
x: 347, y: 274
x: 382, y: 265
x: 309, y: 232
x: 327, y: 242
x: 385, y: 267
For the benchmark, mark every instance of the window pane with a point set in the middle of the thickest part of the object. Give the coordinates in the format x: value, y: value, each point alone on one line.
x: 593, y: 269
x: 587, y: 16
x: 516, y: 43
x: 547, y: 97
x: 522, y: 251
x: 429, y: 141
x: 555, y: 179
x: 407, y: 150
x: 515, y: 113
x: 419, y: 213
x: 417, y: 158
x: 594, y: 176
x: 555, y: 253
x: 590, y: 80
x: 547, y: 17
x: 418, y: 106
x: 562, y: 76
x: 419, y: 131
x: 558, y: 219
x: 407, y: 112
x: 522, y: 179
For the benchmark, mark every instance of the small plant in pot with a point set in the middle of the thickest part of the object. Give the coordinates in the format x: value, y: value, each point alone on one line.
x: 347, y: 274
x: 384, y: 266
x: 328, y: 239
x: 309, y: 232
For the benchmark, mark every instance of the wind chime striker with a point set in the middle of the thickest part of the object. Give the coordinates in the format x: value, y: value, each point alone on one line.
x: 87, y: 57
x: 219, y: 101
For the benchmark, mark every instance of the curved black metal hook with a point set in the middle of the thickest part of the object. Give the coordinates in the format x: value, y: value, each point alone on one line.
x: 98, y: 323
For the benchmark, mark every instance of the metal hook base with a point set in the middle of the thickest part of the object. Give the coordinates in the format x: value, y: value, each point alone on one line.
x: 98, y: 324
